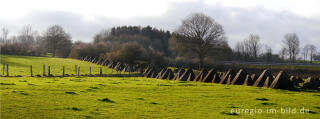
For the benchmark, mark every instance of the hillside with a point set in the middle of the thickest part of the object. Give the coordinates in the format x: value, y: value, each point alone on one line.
x: 20, y: 66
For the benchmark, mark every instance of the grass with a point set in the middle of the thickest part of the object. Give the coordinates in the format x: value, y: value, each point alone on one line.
x: 137, y: 97
x: 20, y: 66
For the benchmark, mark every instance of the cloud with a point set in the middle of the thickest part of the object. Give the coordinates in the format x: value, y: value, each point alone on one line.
x: 238, y: 22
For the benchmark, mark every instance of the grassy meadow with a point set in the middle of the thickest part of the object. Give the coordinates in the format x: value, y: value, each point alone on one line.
x: 20, y: 66
x: 138, y: 97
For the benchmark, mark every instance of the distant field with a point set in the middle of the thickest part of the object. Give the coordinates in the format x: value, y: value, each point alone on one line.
x: 20, y: 65
x: 283, y: 67
x: 134, y: 97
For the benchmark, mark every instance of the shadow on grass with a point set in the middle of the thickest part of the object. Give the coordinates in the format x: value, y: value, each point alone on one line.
x: 70, y: 92
x: 106, y: 100
x: 262, y: 99
x: 7, y: 84
x: 267, y: 103
x: 229, y: 113
x: 75, y: 109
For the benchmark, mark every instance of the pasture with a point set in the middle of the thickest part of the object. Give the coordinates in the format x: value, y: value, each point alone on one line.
x: 20, y: 66
x: 138, y: 97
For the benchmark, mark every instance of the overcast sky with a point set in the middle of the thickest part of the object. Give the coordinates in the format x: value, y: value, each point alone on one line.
x: 271, y: 19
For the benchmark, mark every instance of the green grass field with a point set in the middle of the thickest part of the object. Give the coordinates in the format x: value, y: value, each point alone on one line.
x: 138, y: 97
x: 20, y: 65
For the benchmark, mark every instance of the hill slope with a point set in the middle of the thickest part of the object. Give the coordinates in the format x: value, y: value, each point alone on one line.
x: 20, y: 65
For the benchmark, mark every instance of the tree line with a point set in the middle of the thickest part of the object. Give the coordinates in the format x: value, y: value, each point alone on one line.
x: 29, y: 42
x: 251, y: 49
x: 199, y: 39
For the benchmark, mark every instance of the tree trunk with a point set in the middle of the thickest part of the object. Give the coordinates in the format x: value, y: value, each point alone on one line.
x: 201, y: 63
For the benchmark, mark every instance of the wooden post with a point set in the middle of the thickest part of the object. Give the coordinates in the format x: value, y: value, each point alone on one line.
x: 4, y: 68
x: 62, y: 71
x: 78, y: 71
x: 44, y: 70
x: 100, y: 71
x: 48, y: 70
x: 7, y: 69
x: 75, y: 69
x: 31, y: 70
x: 90, y: 70
x: 111, y: 70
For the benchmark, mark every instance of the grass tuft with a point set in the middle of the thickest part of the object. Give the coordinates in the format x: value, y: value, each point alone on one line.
x: 72, y: 93
x: 266, y: 103
x: 106, y: 100
x: 229, y: 113
x: 20, y: 92
x: 7, y: 84
x: 262, y: 99
x: 75, y: 109
x: 154, y: 103
x: 140, y: 98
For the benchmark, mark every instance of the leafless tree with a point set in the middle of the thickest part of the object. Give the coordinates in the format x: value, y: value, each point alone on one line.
x: 27, y: 35
x: 240, y: 48
x: 268, y: 53
x: 57, y: 40
x: 283, y: 53
x: 199, y: 33
x: 5, y: 33
x: 291, y: 43
x: 253, y: 45
x: 249, y: 48
x: 305, y: 52
x: 313, y: 50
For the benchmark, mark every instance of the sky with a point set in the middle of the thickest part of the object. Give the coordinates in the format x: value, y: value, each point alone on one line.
x: 270, y: 19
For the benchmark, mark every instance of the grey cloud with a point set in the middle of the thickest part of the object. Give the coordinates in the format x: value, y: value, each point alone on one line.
x: 238, y: 22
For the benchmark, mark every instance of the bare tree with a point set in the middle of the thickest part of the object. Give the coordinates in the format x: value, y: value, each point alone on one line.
x: 27, y: 35
x: 249, y: 48
x: 199, y: 33
x: 291, y: 43
x: 283, y: 53
x: 253, y: 45
x: 268, y: 53
x: 313, y: 50
x: 57, y: 40
x: 5, y: 33
x: 305, y: 52
x: 241, y: 49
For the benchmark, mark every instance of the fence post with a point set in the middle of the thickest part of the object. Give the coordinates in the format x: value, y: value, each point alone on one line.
x: 62, y: 71
x: 4, y: 68
x: 78, y: 71
x: 44, y: 70
x: 31, y: 70
x: 48, y: 70
x: 101, y: 71
x: 7, y: 69
x: 111, y: 70
x: 90, y: 70
x: 75, y: 69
